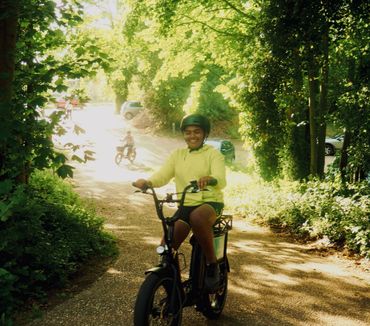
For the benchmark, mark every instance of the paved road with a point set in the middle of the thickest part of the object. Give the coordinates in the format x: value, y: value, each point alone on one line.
x: 273, y: 281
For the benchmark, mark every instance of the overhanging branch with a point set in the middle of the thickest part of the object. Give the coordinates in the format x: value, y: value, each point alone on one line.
x: 192, y: 20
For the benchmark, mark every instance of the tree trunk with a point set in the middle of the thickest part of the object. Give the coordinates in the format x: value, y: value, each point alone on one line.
x: 344, y: 156
x: 8, y: 34
x: 347, y: 134
x: 313, y: 93
x: 323, y: 107
x: 120, y: 99
x: 299, y: 148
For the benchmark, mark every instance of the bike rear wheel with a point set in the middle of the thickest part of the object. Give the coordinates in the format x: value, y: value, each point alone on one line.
x: 212, y: 305
x: 132, y: 156
x: 118, y: 158
x: 154, y: 303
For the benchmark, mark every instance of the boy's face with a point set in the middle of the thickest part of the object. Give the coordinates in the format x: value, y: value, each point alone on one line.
x: 194, y: 136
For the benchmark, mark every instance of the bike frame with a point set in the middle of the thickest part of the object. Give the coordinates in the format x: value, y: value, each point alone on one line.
x: 170, y: 262
x: 192, y: 287
x: 195, y: 283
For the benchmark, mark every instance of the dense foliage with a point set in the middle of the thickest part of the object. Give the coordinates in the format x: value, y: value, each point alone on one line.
x: 289, y: 68
x: 46, y: 234
x: 286, y: 68
x: 46, y: 51
x: 311, y: 210
x: 171, y: 76
x: 259, y: 60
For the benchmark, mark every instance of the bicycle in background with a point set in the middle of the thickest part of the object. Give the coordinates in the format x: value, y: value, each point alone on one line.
x: 125, y: 152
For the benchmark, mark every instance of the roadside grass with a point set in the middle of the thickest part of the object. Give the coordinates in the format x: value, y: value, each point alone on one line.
x: 308, y: 210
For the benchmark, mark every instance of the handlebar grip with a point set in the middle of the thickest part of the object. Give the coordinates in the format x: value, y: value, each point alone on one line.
x: 212, y: 182
x: 141, y: 189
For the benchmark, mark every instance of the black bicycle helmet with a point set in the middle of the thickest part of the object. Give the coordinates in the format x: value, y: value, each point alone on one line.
x: 196, y: 119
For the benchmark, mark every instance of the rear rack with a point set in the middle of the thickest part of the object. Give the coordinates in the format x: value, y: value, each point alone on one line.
x: 223, y: 224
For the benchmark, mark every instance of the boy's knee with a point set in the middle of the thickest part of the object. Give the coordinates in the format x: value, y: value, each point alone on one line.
x: 202, y: 216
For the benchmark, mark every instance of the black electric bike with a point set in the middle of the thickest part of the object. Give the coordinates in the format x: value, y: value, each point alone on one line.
x: 164, y: 294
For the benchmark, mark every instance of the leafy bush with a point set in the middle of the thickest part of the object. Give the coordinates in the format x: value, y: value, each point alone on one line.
x: 312, y: 209
x: 45, y: 236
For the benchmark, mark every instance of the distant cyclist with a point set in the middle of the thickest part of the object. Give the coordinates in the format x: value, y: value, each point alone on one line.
x: 203, y: 163
x: 129, y: 143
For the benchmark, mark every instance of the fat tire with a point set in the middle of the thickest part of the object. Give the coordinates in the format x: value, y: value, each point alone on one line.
x: 144, y: 308
x: 212, y: 304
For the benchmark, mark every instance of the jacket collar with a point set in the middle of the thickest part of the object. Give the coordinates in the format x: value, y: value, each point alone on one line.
x: 195, y: 149
x: 200, y: 149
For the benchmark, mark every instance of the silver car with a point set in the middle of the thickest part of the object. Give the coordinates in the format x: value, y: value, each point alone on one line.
x: 131, y: 108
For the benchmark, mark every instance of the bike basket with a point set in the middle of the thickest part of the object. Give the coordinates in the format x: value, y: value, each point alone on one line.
x: 120, y: 148
x: 223, y: 224
x: 221, y: 227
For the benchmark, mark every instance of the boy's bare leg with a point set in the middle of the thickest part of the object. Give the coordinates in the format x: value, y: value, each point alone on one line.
x: 202, y: 220
x: 181, y: 232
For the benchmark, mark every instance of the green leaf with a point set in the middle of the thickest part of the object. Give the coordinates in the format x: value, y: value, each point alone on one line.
x: 65, y: 171
x: 77, y: 158
x: 60, y: 158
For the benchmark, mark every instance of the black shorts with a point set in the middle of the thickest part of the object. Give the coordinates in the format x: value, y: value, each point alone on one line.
x: 218, y: 207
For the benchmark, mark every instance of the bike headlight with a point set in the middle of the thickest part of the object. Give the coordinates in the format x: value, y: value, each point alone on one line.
x: 160, y: 250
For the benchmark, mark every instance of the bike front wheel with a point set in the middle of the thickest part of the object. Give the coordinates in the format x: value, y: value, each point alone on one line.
x: 118, y: 158
x: 158, y: 302
x: 212, y: 304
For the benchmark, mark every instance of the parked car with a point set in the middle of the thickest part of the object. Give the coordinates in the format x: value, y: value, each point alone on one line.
x: 332, y: 144
x: 131, y: 108
x: 226, y: 147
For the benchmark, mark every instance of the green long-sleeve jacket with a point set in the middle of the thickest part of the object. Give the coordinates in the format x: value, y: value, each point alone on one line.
x: 185, y: 165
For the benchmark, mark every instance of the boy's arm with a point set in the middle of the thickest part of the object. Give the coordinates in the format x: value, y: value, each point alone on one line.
x: 165, y: 173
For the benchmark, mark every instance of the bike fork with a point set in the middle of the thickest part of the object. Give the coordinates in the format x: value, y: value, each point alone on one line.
x: 197, y: 266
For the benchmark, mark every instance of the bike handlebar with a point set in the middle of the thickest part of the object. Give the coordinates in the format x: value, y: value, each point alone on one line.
x: 169, y: 199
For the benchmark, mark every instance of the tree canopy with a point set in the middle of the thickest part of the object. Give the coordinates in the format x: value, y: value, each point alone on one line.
x: 276, y: 71
x: 277, y: 67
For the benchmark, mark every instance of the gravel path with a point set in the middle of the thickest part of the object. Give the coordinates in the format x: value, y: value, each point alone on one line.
x: 273, y: 281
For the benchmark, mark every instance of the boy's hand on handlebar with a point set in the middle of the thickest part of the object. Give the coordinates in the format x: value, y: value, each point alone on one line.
x: 142, y: 184
x: 203, y: 182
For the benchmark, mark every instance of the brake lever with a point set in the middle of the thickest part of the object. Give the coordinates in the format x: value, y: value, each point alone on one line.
x: 194, y: 185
